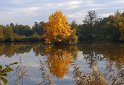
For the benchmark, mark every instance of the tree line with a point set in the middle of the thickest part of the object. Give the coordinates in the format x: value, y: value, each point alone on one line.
x: 57, y: 29
x: 18, y: 32
x: 110, y: 28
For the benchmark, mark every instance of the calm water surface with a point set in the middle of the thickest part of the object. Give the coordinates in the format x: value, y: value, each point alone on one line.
x: 82, y: 64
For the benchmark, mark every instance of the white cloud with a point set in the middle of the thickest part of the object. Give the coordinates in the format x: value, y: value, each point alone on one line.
x: 30, y: 10
x: 105, y: 14
x: 67, y: 5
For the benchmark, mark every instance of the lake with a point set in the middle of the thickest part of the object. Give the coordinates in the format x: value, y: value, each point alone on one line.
x: 83, y: 64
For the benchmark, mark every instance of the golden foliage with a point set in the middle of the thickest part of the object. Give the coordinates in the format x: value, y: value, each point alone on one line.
x: 59, y: 58
x: 58, y: 64
x: 119, y: 20
x: 57, y: 28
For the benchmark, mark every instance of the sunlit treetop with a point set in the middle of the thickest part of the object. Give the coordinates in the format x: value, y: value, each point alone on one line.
x: 57, y: 28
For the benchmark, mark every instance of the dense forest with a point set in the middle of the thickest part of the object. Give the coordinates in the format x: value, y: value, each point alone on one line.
x: 109, y: 28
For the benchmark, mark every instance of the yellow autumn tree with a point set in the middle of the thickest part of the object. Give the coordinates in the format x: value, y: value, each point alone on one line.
x: 57, y: 28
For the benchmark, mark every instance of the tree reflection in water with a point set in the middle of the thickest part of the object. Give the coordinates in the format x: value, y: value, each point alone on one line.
x: 60, y: 58
x: 11, y: 49
x: 114, y: 57
x: 57, y: 63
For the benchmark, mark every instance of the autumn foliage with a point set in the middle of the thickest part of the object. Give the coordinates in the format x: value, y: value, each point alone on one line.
x: 58, y: 60
x: 57, y: 28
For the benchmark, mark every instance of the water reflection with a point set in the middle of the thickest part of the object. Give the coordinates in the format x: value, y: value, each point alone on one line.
x: 10, y: 49
x: 114, y: 56
x: 84, y: 64
x: 57, y: 63
x: 59, y: 58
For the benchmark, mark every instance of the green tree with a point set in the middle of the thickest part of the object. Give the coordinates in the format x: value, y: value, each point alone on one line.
x: 110, y: 29
x: 8, y: 34
x: 73, y: 37
x: 38, y: 28
x: 19, y: 29
x: 90, y: 19
x: 85, y: 31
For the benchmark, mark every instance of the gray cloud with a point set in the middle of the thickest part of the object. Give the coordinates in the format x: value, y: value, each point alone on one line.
x: 29, y: 11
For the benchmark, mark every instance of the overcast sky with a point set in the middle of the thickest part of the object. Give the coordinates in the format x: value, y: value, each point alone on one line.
x: 29, y: 11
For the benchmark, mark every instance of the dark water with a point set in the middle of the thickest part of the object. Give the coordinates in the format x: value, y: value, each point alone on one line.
x: 82, y: 64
